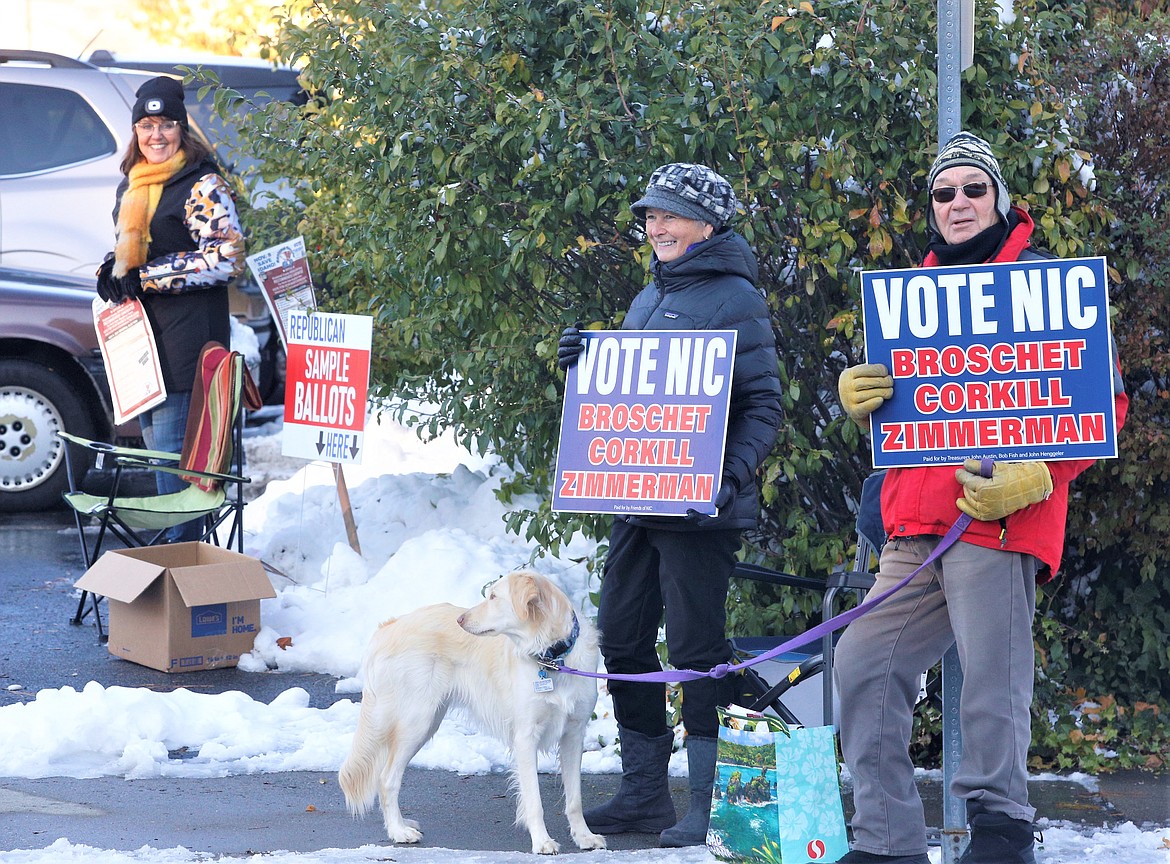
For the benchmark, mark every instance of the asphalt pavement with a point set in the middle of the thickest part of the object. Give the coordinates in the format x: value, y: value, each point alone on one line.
x: 304, y: 811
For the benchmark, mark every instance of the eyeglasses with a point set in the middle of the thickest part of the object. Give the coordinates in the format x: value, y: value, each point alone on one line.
x: 946, y: 194
x: 167, y: 127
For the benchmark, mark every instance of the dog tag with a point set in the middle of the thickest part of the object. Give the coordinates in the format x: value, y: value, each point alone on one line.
x: 543, y: 684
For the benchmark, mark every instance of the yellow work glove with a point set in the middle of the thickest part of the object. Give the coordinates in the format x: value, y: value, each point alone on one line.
x: 1012, y: 486
x: 862, y: 390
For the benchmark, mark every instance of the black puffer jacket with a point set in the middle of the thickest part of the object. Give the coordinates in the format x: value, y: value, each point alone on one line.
x: 713, y: 287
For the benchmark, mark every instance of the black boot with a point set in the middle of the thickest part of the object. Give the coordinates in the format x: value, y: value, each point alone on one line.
x: 859, y: 857
x: 642, y: 802
x: 692, y: 828
x: 996, y: 838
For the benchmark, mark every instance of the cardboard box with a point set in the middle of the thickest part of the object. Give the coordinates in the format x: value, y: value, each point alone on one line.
x: 180, y: 607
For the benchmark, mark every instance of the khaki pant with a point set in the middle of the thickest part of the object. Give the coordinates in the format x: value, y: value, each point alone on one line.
x: 981, y: 599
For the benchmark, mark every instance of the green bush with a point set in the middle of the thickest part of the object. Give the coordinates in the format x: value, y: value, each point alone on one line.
x: 466, y: 172
x: 1109, y: 612
x: 468, y: 183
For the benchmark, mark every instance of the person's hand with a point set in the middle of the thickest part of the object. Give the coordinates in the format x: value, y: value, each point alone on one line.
x: 726, y: 494
x: 105, y: 280
x: 570, y: 347
x: 862, y: 390
x: 1012, y: 486
x: 130, y: 285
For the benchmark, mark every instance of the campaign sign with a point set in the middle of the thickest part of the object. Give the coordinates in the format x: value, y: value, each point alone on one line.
x: 1001, y: 361
x: 326, y: 384
x: 644, y: 422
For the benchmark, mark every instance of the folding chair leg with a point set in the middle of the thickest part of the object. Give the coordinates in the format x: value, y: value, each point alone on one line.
x: 771, y: 697
x: 79, y: 615
x: 103, y: 637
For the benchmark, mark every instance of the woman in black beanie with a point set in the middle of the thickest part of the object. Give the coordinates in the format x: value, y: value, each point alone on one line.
x: 178, y: 244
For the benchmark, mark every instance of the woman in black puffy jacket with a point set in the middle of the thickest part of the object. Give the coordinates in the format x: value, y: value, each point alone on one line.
x: 704, y: 278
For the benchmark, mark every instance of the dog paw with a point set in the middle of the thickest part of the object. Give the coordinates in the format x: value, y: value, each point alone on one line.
x: 408, y: 833
x: 547, y: 846
x: 588, y: 840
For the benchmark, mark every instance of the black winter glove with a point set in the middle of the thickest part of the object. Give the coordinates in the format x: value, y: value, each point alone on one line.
x: 570, y: 347
x: 105, y: 280
x: 726, y: 494
x: 130, y: 285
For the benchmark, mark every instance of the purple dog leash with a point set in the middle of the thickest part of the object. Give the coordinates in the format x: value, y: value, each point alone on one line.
x: 815, y: 634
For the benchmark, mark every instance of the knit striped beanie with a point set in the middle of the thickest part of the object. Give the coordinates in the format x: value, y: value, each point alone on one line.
x: 967, y: 149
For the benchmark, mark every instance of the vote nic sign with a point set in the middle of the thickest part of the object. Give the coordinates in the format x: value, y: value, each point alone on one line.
x: 644, y: 422
x: 326, y: 385
x: 1002, y: 361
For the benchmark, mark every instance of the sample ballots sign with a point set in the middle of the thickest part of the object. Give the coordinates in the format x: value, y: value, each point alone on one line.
x: 325, y: 391
x: 644, y: 422
x: 1000, y: 361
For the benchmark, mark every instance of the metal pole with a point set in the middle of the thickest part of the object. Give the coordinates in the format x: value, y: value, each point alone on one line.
x: 952, y: 59
x: 954, y: 830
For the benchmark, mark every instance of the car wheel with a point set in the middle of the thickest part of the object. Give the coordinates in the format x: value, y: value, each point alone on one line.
x: 35, y: 404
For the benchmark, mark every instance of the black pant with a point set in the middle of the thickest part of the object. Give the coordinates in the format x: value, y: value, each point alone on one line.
x: 685, y: 573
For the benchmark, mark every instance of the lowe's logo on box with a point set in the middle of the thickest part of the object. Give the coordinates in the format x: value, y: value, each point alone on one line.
x: 210, y: 620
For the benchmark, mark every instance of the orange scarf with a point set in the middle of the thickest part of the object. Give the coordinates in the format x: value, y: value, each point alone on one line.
x: 139, y: 202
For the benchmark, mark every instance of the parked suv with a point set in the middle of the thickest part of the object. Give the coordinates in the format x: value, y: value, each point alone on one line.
x: 64, y: 125
x: 51, y: 378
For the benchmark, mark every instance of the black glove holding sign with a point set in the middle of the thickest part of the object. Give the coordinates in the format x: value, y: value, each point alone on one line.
x: 570, y: 347
x: 130, y: 285
x: 726, y: 494
x: 116, y: 289
x: 105, y: 280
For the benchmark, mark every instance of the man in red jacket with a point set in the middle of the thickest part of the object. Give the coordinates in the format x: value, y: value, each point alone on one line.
x: 980, y: 594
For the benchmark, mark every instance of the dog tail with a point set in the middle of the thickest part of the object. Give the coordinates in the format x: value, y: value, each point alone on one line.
x: 358, y: 776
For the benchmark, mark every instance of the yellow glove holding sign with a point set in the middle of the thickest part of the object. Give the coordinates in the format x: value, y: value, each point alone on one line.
x: 1012, y: 486
x: 862, y: 390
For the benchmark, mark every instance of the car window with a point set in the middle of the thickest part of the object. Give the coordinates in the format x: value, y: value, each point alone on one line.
x: 225, y: 135
x: 47, y: 127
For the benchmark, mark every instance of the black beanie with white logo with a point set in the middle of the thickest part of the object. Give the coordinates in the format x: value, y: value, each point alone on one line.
x: 160, y: 97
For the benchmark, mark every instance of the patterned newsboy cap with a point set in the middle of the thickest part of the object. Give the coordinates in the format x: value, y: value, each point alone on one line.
x: 693, y: 191
x: 967, y: 149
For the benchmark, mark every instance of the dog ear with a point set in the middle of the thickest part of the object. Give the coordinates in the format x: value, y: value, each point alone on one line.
x: 527, y: 597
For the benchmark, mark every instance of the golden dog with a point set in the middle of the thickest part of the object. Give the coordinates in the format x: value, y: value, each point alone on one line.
x: 496, y: 660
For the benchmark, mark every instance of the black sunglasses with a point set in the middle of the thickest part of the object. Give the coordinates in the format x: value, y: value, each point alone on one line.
x: 946, y: 194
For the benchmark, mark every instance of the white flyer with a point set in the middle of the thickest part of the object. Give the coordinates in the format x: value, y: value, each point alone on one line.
x: 131, y: 357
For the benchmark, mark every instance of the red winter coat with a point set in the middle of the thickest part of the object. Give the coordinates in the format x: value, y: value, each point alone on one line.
x: 922, y: 500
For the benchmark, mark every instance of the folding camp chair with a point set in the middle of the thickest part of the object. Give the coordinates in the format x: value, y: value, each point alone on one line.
x: 811, y: 660
x: 212, y: 458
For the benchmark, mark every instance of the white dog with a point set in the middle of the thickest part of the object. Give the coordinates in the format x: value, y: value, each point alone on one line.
x: 496, y: 661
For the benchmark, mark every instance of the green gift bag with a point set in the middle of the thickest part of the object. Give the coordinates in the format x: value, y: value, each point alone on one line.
x: 776, y: 797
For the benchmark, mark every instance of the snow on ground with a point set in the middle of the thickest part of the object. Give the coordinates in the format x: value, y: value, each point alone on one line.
x: 430, y: 529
